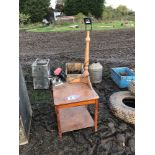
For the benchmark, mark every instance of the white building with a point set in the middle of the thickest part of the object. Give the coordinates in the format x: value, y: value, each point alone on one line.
x: 53, y: 3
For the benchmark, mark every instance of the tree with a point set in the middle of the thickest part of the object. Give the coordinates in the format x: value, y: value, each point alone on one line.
x: 94, y: 7
x: 72, y: 7
x: 60, y: 1
x: 60, y: 5
x: 50, y: 14
x: 123, y: 10
x: 24, y: 19
x: 37, y: 9
x: 108, y: 13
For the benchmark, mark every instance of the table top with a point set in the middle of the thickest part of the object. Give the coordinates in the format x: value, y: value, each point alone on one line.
x: 73, y: 92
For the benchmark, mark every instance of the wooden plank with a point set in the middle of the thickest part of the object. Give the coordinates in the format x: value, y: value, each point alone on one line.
x: 86, y: 61
x: 75, y: 104
x: 96, y: 115
x: 71, y: 67
x: 75, y: 118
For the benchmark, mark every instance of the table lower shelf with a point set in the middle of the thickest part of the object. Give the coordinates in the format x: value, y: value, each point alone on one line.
x: 75, y: 118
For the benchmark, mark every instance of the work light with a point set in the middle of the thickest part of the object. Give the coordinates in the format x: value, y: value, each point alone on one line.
x: 88, y: 21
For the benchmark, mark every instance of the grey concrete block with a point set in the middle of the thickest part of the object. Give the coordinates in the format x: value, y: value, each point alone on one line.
x: 41, y: 67
x: 40, y: 73
x: 41, y: 83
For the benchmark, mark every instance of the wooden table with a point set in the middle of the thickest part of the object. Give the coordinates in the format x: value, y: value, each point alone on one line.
x: 70, y: 100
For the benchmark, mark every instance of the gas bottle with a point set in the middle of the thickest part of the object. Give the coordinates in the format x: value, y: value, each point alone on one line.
x: 95, y: 72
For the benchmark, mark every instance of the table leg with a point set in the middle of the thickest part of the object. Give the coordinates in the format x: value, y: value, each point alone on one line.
x: 58, y: 120
x: 96, y: 115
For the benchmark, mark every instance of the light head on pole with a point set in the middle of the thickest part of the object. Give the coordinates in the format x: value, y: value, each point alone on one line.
x: 88, y: 21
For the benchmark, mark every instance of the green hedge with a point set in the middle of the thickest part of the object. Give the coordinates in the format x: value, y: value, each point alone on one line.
x: 94, y: 7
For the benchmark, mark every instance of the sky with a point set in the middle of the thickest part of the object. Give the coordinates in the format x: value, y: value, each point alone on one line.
x: 114, y: 3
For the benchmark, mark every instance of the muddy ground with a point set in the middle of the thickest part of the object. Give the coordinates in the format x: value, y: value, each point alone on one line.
x: 112, y: 49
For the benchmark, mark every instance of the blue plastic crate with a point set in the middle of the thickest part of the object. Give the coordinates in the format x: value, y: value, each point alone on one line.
x: 122, y: 76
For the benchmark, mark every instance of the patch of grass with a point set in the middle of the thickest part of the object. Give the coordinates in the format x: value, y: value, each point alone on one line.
x: 65, y: 26
x: 31, y: 26
x: 41, y: 95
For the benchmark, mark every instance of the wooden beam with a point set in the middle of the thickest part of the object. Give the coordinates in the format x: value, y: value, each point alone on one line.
x: 86, y: 63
